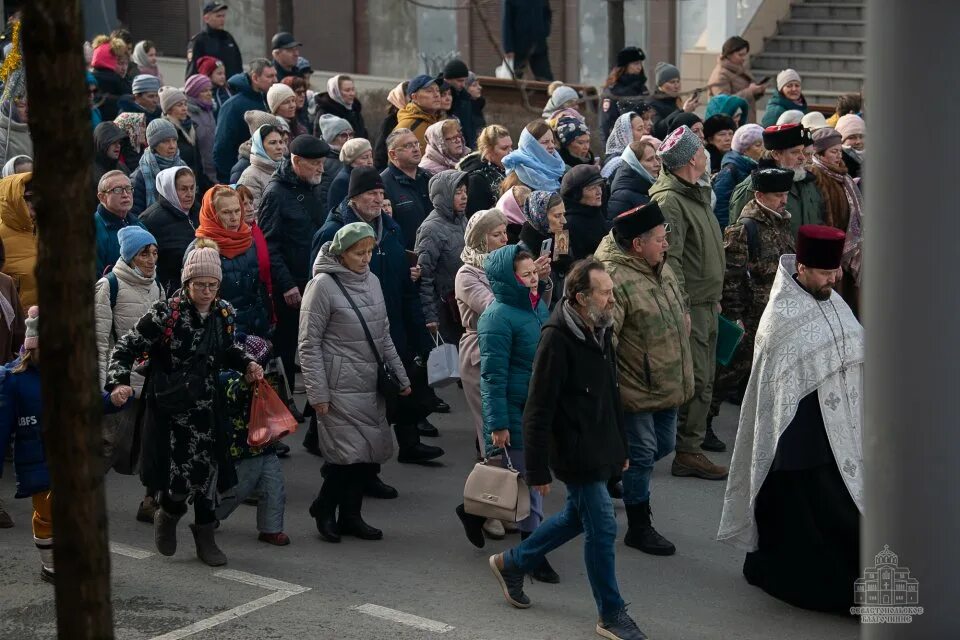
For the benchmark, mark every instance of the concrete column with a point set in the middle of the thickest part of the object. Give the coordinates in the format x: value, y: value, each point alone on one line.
x: 721, y: 23
x: 393, y: 38
x: 912, y: 428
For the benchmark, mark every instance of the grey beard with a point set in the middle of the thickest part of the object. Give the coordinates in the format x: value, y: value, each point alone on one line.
x: 600, y: 318
x: 799, y: 174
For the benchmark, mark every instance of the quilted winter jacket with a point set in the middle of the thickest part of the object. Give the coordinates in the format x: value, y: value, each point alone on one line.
x: 19, y: 237
x: 509, y: 331
x: 653, y: 350
x: 21, y: 416
x: 439, y: 244
x: 338, y: 365
x: 417, y: 120
x: 135, y: 296
x: 256, y: 177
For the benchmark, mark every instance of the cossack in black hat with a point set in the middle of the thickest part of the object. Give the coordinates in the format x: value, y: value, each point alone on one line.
x: 772, y: 180
x: 783, y: 136
x: 820, y: 246
x: 637, y: 221
x: 309, y: 147
x: 456, y: 68
x: 630, y: 54
x: 284, y: 40
x: 363, y: 179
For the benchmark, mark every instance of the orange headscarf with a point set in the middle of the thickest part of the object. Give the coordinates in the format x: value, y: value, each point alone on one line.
x: 231, y: 243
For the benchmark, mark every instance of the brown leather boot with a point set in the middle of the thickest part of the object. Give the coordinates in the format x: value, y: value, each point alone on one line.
x: 697, y: 465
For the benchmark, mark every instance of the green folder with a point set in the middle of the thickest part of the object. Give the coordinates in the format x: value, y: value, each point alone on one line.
x: 729, y: 335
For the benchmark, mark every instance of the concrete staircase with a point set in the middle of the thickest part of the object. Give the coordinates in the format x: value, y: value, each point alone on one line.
x: 824, y: 40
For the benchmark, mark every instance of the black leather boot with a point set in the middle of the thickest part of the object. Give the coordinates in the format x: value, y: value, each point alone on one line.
x: 411, y: 449
x: 377, y: 488
x: 311, y: 440
x: 710, y: 440
x: 324, y: 508
x: 641, y: 534
x: 350, y: 522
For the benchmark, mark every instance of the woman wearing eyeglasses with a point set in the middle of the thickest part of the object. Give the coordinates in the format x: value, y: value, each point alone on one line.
x: 186, y: 447
x: 445, y: 147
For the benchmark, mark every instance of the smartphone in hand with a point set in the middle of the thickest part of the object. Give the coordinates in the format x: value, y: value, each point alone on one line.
x: 546, y: 247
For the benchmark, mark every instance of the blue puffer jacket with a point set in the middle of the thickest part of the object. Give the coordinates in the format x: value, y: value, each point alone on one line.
x: 734, y: 168
x: 21, y: 414
x: 232, y: 129
x: 509, y: 330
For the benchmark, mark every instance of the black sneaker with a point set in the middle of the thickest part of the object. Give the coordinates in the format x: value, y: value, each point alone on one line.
x: 620, y: 627
x: 511, y: 582
x: 441, y: 407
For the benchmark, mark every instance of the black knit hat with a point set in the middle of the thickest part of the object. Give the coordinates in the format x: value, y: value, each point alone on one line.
x: 309, y: 147
x: 630, y: 54
x: 772, y: 180
x: 456, y: 68
x: 363, y: 179
x: 630, y: 224
x: 717, y: 123
x: 577, y: 179
x: 732, y: 45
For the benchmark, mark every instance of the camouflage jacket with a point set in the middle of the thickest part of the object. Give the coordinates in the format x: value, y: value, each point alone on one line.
x: 653, y: 351
x: 748, y: 279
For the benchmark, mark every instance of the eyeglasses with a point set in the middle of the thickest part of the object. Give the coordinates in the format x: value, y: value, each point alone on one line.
x: 118, y: 190
x: 205, y: 286
x: 453, y: 138
x: 410, y: 146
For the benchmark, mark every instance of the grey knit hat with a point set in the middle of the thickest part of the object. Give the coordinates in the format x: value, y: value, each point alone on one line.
x: 145, y: 83
x: 331, y: 126
x: 160, y: 130
x: 679, y: 147
x: 665, y: 72
x: 169, y: 96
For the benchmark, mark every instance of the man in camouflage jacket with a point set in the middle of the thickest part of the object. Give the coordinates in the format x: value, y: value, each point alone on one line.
x: 654, y: 359
x: 753, y: 246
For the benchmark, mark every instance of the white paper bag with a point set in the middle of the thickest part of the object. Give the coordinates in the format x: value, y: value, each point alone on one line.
x: 443, y: 365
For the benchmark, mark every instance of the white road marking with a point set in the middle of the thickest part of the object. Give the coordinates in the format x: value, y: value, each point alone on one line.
x: 408, y: 619
x: 281, y: 591
x: 226, y: 616
x: 130, y: 552
x: 260, y: 581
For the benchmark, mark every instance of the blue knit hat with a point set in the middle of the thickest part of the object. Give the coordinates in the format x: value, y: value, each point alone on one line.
x: 132, y: 239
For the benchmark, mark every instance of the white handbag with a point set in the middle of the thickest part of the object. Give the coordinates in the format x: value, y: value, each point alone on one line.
x: 496, y: 492
x: 443, y: 364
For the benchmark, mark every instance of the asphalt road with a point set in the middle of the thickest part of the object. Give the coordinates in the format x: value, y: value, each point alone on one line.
x: 423, y: 581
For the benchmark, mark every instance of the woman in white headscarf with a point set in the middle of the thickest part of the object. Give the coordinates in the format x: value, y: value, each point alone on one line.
x: 173, y: 220
x: 145, y: 57
x: 340, y: 99
x: 17, y: 164
x: 626, y: 129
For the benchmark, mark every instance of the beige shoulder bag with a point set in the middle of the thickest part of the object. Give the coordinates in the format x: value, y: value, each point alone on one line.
x: 495, y: 492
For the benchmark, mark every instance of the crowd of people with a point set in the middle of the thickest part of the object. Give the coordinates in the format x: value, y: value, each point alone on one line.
x: 248, y: 228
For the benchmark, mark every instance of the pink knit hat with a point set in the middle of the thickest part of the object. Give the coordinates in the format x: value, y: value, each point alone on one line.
x: 197, y: 84
x: 203, y: 262
x: 511, y: 208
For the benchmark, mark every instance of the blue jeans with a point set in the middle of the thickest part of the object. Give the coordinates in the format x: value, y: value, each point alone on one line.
x: 650, y: 436
x: 261, y: 475
x: 588, y: 510
x: 532, y: 521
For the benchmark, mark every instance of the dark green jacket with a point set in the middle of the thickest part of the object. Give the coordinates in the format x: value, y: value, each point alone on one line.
x: 803, y: 202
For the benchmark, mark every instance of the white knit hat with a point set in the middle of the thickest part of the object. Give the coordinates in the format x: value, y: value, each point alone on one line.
x: 786, y: 76
x: 277, y: 94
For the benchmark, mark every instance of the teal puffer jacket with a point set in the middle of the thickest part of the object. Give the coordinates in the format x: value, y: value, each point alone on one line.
x: 509, y: 330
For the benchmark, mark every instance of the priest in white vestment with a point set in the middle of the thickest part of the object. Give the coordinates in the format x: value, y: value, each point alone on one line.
x: 795, y: 491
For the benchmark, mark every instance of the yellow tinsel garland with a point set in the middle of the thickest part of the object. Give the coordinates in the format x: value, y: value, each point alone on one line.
x: 13, y: 60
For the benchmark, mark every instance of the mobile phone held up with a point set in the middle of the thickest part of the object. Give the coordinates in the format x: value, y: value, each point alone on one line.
x: 546, y: 247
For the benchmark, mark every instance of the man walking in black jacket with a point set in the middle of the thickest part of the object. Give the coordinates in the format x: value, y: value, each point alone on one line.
x: 214, y: 41
x: 572, y: 423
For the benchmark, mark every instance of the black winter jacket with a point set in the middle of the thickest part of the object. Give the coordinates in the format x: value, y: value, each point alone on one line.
x: 217, y: 43
x: 572, y: 421
x: 174, y: 233
x: 380, y: 158
x: 326, y: 104
x: 291, y: 212
x: 587, y: 227
x: 628, y: 189
x: 410, y: 200
x: 483, y: 182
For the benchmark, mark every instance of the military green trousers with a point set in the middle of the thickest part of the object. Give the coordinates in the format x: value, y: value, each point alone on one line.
x: 692, y: 421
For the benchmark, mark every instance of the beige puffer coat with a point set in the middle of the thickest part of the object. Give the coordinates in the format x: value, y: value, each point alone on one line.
x: 339, y: 366
x: 135, y: 296
x: 256, y: 176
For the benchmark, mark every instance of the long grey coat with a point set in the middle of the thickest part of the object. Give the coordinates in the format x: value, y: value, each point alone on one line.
x: 339, y: 366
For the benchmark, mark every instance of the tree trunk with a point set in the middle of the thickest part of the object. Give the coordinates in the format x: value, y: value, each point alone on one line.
x: 616, y: 35
x: 285, y: 15
x: 59, y: 119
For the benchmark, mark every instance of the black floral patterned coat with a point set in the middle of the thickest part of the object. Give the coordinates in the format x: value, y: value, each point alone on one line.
x: 182, y: 453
